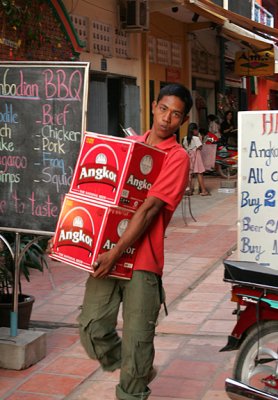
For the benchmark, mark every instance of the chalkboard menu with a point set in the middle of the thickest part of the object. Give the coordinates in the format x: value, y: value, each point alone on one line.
x: 42, y: 118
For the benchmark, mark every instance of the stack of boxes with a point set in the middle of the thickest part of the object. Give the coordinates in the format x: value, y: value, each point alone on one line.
x: 111, y: 180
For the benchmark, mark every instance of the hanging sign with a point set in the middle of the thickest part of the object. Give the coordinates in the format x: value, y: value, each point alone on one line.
x: 249, y: 63
x: 173, y: 74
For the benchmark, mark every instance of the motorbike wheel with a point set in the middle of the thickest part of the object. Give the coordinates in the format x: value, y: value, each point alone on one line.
x: 225, y: 171
x: 247, y: 369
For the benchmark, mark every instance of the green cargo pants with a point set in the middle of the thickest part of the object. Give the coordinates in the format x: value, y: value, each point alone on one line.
x: 134, y: 353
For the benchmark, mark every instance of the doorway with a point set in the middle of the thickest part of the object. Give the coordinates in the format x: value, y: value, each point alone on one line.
x: 113, y: 104
x: 273, y: 99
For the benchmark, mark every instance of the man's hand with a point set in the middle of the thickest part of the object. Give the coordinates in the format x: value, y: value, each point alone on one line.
x: 49, y: 248
x: 104, y: 263
x: 136, y: 227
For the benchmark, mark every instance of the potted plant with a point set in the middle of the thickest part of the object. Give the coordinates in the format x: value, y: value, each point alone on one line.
x: 33, y: 256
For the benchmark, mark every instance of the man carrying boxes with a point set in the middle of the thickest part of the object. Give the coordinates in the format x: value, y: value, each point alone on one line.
x: 142, y: 295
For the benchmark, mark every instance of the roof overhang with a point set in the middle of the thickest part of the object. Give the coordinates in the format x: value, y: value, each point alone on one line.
x: 199, y: 8
x: 211, y: 9
x: 250, y: 34
x: 246, y: 37
x: 250, y: 40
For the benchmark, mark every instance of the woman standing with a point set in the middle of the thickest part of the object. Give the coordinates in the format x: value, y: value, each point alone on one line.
x: 193, y: 145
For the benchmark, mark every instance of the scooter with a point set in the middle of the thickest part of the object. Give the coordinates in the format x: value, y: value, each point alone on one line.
x: 255, y: 334
x: 226, y: 157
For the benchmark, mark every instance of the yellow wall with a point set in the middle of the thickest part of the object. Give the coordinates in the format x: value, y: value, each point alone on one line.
x: 161, y: 26
x: 167, y: 28
x: 107, y: 12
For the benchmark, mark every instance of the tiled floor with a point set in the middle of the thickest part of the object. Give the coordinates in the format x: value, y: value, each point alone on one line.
x: 188, y: 340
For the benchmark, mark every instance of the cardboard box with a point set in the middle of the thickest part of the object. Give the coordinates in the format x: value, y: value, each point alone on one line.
x: 115, y: 171
x: 86, y: 229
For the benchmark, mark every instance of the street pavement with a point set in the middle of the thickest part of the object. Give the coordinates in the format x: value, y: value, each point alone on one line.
x: 188, y: 340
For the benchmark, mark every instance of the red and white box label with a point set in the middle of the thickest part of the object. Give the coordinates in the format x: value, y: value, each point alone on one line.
x: 86, y: 229
x: 115, y: 171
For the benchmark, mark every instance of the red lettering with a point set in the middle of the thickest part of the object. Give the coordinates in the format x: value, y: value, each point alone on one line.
x: 45, y: 209
x: 270, y: 123
x: 47, y: 118
x: 62, y: 88
x: 18, y: 204
x: 267, y: 123
x: 49, y: 86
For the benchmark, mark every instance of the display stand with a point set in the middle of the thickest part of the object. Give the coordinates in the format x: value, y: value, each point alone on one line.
x: 19, y: 348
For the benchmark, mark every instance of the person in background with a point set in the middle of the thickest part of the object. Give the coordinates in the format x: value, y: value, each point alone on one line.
x: 227, y: 126
x: 143, y: 295
x: 202, y: 134
x: 193, y: 145
x: 213, y: 125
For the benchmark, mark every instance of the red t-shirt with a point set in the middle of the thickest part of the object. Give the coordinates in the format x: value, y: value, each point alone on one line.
x: 169, y: 187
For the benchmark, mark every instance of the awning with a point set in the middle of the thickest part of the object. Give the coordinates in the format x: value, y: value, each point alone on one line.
x: 229, y: 16
x: 246, y: 37
x: 250, y: 40
x: 252, y: 35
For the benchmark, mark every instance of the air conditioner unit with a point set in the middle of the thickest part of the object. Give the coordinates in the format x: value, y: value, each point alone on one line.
x: 136, y: 15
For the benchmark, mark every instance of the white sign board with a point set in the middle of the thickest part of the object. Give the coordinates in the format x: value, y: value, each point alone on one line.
x: 258, y: 187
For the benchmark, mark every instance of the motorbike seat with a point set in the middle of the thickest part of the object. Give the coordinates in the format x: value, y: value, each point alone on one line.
x: 250, y: 273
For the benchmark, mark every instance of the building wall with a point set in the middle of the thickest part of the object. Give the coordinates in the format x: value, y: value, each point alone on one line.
x: 263, y: 86
x: 169, y: 29
x: 138, y: 65
x: 173, y: 32
x: 204, y: 49
x: 31, y: 30
x: 108, y: 63
x: 202, y: 78
x: 107, y: 13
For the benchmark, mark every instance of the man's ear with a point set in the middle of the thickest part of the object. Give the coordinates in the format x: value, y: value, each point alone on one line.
x: 154, y: 104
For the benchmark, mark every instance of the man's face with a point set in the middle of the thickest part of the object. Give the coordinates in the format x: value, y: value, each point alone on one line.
x: 168, y: 115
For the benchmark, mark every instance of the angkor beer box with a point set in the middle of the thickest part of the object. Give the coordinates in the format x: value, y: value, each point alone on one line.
x: 115, y: 171
x: 86, y: 229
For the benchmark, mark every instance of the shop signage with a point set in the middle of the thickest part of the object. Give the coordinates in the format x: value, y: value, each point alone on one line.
x: 173, y: 74
x: 258, y: 187
x: 10, y: 43
x: 249, y: 63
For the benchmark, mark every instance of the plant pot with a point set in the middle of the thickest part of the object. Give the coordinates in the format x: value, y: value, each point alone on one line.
x: 25, y: 305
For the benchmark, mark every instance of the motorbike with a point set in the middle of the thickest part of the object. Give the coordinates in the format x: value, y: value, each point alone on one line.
x: 226, y: 157
x: 255, y: 334
x: 239, y: 391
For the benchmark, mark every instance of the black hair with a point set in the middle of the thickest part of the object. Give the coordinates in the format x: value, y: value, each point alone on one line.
x: 228, y: 112
x: 212, y: 117
x: 180, y: 91
x: 190, y: 133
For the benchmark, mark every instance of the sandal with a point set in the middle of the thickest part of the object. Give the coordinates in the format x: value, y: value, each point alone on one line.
x: 205, y: 194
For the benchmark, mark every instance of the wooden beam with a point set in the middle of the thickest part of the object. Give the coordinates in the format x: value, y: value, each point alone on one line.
x: 197, y: 26
x: 205, y: 12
